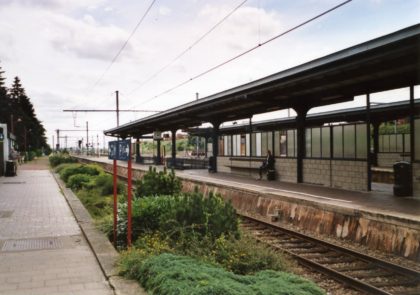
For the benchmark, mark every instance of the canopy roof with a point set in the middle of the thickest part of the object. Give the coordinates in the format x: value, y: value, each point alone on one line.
x: 388, y: 62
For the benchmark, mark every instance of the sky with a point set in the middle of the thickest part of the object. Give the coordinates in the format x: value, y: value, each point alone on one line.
x: 62, y: 50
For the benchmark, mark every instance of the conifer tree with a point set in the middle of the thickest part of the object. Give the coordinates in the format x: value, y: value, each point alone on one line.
x: 5, y: 108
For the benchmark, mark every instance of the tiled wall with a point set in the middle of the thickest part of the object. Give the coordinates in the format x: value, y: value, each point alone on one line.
x: 351, y: 175
x: 388, y: 159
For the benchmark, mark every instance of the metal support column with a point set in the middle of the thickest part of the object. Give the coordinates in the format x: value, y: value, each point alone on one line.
x: 369, y: 154
x: 158, y: 156
x: 137, y: 150
x: 173, y: 146
x: 206, y: 142
x: 375, y: 143
x: 413, y: 155
x: 215, y: 143
x: 301, y: 146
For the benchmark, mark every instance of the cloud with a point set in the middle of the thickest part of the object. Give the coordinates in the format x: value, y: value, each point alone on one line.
x: 53, y: 4
x: 86, y: 38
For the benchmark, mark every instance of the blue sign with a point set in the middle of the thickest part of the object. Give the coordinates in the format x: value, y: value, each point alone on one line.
x: 119, y: 150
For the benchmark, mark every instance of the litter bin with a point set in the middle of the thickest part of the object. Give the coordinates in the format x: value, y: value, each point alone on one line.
x: 403, y: 180
x: 10, y: 168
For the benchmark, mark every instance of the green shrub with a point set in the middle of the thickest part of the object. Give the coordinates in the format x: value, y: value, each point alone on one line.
x: 77, y: 181
x: 245, y: 256
x: 57, y: 159
x: 60, y: 167
x: 194, y: 213
x: 180, y: 216
x: 105, y: 183
x: 171, y: 274
x: 70, y: 170
x: 98, y: 206
x: 158, y: 183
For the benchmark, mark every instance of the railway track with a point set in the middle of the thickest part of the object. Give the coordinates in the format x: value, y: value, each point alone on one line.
x: 353, y: 269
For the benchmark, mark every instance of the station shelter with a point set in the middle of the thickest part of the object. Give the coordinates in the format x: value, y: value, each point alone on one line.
x: 335, y: 149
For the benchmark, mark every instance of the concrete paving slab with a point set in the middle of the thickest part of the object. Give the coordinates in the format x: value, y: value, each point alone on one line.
x: 40, y: 213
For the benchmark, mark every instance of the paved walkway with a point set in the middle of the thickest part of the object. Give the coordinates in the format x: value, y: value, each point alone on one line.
x: 42, y: 249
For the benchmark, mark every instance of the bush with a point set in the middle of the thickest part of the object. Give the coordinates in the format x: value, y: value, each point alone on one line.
x: 193, y: 213
x: 158, y: 183
x: 77, y: 181
x: 172, y: 274
x: 97, y: 205
x: 179, y: 216
x: 57, y: 159
x: 70, y: 170
x: 105, y: 183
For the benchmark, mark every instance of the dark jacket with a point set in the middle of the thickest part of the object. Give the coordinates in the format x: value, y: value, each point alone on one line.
x: 269, y: 162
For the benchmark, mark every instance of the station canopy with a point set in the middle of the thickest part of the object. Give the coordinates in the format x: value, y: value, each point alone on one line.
x: 388, y: 62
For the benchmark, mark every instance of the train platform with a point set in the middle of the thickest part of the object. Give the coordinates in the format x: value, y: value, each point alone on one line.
x: 375, y: 218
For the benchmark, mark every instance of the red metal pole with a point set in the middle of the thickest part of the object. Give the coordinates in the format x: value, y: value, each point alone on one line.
x: 115, y: 202
x: 129, y: 200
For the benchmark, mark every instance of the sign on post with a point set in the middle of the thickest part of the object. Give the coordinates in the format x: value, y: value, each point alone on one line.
x: 119, y: 150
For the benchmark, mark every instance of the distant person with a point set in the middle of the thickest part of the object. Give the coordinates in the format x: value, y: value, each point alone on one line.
x: 268, y: 164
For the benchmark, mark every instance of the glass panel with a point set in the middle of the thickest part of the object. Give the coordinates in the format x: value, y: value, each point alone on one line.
x: 295, y: 142
x: 277, y: 143
x: 308, y: 145
x: 386, y: 143
x: 264, y: 146
x: 338, y: 141
x: 417, y: 139
x: 234, y: 145
x: 361, y: 141
x: 381, y: 143
x: 238, y: 145
x: 393, y: 143
x: 325, y: 142
x: 407, y: 146
x: 399, y: 140
x: 270, y: 141
x: 221, y: 146
x: 316, y: 142
x: 283, y: 145
x: 349, y: 142
x: 254, y: 144
x: 247, y: 139
x: 225, y: 145
x: 258, y: 145
x: 243, y: 144
x: 290, y: 143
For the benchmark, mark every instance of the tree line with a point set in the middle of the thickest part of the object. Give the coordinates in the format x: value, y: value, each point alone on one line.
x: 17, y: 111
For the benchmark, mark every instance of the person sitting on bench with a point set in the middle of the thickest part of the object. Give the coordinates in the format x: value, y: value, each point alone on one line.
x: 268, y: 163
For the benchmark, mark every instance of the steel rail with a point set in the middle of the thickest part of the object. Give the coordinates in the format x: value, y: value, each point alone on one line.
x: 337, y: 275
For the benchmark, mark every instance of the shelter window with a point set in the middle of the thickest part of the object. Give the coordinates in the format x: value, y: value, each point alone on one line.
x: 394, y: 143
x: 277, y: 143
x: 283, y: 144
x: 350, y: 141
x: 316, y: 138
x: 227, y: 145
x: 254, y: 144
x: 247, y: 144
x: 326, y: 142
x: 221, y: 145
x: 361, y: 141
x: 258, y: 145
x: 291, y: 140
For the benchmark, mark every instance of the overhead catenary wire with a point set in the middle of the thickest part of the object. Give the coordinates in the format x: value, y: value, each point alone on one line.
x: 151, y: 77
x: 245, y: 52
x: 124, y: 45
